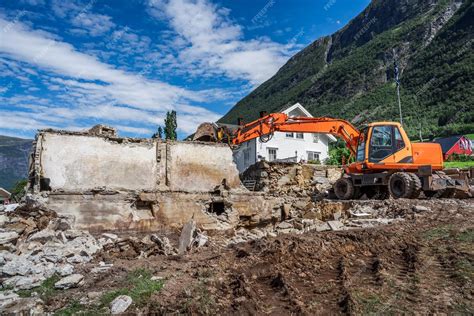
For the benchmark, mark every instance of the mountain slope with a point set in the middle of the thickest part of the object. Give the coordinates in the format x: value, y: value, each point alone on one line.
x: 14, y: 154
x: 350, y: 74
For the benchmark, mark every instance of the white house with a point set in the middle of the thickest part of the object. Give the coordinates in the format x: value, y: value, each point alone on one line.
x: 285, y: 146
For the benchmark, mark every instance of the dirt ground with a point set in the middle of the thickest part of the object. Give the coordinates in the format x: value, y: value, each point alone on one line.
x: 421, y: 265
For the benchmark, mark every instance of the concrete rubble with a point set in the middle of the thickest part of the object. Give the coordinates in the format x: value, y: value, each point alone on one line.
x: 73, y: 280
x: 120, y: 304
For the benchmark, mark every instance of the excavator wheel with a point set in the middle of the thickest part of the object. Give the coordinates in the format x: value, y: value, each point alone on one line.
x: 416, y: 186
x: 377, y: 192
x: 401, y: 185
x: 344, y: 189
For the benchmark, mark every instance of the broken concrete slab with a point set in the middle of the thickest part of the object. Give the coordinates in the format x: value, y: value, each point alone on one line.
x: 420, y: 209
x: 200, y: 240
x: 65, y: 269
x: 43, y: 236
x: 103, y: 267
x: 23, y: 306
x: 19, y: 282
x: 3, y: 220
x: 323, y: 227
x: 73, y: 280
x: 10, y: 208
x: 8, y: 237
x: 110, y: 236
x: 120, y: 304
x: 335, y: 225
x: 284, y: 225
x: 19, y: 265
x: 7, y: 297
x: 187, y: 236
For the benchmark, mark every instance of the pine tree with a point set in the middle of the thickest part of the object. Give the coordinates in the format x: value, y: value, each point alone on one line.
x: 171, y: 125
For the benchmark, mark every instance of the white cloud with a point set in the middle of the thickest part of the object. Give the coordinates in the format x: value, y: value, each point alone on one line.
x: 90, y: 82
x: 80, y: 15
x: 93, y: 24
x: 214, y: 44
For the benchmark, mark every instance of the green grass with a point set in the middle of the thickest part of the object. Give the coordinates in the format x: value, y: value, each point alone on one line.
x: 438, y: 233
x: 45, y: 291
x: 466, y: 236
x: 76, y: 308
x: 139, y: 287
x: 470, y: 136
x: 369, y: 303
x: 137, y: 284
x: 459, y: 164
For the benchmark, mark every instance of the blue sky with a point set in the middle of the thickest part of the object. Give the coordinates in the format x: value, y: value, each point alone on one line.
x: 73, y: 64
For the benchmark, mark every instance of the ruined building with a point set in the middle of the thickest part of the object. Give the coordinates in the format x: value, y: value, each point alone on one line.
x: 106, y: 182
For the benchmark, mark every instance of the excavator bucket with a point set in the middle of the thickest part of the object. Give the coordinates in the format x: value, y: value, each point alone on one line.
x: 206, y: 132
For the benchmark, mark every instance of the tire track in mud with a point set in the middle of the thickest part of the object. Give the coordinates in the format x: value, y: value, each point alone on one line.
x: 390, y: 270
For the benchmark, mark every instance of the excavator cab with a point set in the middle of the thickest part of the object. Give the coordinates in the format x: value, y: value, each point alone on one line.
x: 383, y: 142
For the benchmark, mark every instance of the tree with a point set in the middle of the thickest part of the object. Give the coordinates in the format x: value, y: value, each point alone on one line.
x: 171, y: 125
x: 339, y: 154
x: 159, y: 133
x: 18, y: 190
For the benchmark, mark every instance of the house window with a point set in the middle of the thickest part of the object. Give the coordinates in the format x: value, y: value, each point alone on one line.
x: 299, y: 135
x: 272, y: 154
x: 315, y: 138
x: 290, y: 135
x: 313, y: 155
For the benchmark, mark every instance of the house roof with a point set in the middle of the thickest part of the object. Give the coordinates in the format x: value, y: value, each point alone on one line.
x: 297, y: 105
x: 4, y: 193
x: 447, y: 142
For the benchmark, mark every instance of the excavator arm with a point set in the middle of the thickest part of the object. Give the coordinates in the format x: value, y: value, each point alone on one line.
x: 280, y: 122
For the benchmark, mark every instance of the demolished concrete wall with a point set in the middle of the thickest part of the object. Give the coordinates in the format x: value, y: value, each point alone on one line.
x: 198, y: 167
x: 110, y: 183
x: 80, y: 162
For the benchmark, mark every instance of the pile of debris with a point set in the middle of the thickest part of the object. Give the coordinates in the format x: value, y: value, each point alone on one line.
x: 292, y: 179
x: 37, y: 244
x: 303, y: 216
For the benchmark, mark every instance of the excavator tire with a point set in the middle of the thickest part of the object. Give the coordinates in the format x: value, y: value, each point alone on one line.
x: 416, y: 186
x: 344, y: 189
x: 401, y: 185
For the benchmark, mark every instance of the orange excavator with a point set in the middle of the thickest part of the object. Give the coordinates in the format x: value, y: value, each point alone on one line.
x: 386, y: 161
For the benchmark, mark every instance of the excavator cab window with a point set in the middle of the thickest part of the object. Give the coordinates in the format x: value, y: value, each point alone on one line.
x: 361, y: 146
x: 385, y: 141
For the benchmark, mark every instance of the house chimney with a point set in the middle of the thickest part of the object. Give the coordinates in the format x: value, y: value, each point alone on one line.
x: 263, y: 113
x: 240, y: 121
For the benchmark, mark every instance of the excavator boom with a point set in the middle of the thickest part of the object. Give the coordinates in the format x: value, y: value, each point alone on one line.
x: 280, y: 122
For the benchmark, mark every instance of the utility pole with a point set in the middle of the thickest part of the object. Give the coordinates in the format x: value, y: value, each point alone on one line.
x: 397, y: 80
